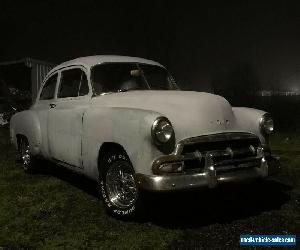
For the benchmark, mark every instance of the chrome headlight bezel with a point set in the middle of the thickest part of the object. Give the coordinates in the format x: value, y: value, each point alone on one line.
x: 266, y: 124
x: 166, y: 146
x: 162, y: 131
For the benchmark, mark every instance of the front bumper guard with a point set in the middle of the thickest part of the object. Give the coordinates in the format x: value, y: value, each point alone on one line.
x: 208, y: 178
x: 261, y: 167
x: 257, y: 163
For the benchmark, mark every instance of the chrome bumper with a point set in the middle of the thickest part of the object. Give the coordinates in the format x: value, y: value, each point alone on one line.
x: 212, y: 167
x: 208, y: 178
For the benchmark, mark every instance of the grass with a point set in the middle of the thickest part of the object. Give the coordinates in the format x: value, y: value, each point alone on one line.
x: 60, y: 210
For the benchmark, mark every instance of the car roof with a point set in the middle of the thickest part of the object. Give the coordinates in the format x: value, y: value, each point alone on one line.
x: 90, y: 61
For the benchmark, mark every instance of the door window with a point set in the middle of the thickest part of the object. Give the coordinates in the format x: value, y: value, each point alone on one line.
x: 73, y: 83
x: 49, y: 88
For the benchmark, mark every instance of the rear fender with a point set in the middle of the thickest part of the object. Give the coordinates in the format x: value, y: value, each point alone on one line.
x: 26, y: 123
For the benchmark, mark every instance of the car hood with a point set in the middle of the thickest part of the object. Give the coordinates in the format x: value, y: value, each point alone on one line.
x: 191, y: 113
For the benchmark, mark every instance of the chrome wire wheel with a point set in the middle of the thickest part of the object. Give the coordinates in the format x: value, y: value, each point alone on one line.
x: 120, y: 185
x: 25, y: 154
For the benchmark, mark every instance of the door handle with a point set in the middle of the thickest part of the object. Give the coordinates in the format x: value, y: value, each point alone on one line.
x: 52, y: 105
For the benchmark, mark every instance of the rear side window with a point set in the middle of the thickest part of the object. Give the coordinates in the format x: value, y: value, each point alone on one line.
x: 73, y: 83
x: 49, y: 88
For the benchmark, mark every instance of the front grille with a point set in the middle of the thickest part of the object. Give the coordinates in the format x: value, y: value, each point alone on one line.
x: 235, y: 144
x: 227, y: 152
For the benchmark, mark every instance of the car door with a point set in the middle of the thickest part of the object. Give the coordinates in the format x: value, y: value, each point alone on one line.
x: 42, y: 105
x: 66, y: 116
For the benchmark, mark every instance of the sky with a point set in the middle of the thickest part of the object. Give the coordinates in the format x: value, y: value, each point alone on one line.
x: 196, y: 41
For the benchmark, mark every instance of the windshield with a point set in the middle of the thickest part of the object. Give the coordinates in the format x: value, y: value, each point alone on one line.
x: 119, y: 77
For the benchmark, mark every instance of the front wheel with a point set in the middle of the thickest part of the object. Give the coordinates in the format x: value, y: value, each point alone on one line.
x: 118, y: 188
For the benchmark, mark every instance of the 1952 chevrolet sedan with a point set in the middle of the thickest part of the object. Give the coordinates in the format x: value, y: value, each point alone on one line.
x: 123, y: 122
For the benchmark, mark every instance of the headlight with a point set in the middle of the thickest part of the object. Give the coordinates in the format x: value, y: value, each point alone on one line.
x: 266, y: 124
x: 162, y: 131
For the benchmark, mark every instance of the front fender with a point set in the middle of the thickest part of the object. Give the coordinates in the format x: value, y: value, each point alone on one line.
x: 248, y: 119
x: 128, y: 127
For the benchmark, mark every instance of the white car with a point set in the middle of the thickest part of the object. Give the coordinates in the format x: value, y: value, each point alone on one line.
x: 122, y: 121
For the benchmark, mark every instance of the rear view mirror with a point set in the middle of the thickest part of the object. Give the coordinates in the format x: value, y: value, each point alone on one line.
x: 135, y: 72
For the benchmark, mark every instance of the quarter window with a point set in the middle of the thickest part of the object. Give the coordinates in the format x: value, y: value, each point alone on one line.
x: 49, y: 88
x: 73, y: 83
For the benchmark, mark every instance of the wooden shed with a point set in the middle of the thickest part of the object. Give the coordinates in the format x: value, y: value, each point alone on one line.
x: 25, y: 74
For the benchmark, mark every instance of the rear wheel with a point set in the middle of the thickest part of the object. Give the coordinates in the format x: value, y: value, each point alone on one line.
x: 28, y: 161
x: 118, y: 188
